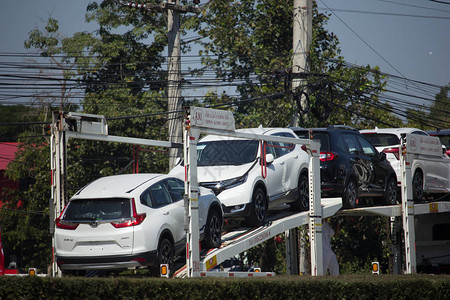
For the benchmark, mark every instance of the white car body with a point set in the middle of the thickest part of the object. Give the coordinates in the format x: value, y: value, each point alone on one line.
x: 86, y: 237
x: 435, y: 170
x: 233, y: 170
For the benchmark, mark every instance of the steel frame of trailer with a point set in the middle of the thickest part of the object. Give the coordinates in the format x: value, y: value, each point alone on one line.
x: 96, y: 129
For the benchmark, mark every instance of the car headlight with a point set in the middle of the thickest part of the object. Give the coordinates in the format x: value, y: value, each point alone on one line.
x: 231, y: 183
x: 218, y: 186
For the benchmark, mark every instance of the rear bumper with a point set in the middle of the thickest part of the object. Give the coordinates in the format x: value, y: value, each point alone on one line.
x: 107, y: 262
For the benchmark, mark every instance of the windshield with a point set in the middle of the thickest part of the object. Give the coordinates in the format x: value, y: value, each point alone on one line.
x: 382, y: 139
x: 226, y: 152
x: 98, y: 209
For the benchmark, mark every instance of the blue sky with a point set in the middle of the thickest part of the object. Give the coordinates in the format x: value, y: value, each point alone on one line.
x: 407, y: 43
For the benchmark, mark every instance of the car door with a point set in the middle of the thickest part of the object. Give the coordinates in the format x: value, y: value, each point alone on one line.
x: 169, y: 208
x: 278, y: 178
x: 379, y: 167
x: 361, y: 166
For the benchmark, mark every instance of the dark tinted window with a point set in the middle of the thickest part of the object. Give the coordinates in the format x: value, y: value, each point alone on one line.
x: 160, y: 195
x: 175, y: 188
x: 367, y: 148
x: 382, y: 139
x: 227, y: 152
x: 352, y: 144
x: 320, y: 136
x: 98, y: 209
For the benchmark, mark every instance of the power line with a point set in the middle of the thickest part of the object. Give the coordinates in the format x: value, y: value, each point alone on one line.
x: 442, y: 2
x: 383, y: 13
x: 416, y: 6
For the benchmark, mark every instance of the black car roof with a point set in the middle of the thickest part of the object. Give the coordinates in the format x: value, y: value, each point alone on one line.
x: 438, y: 132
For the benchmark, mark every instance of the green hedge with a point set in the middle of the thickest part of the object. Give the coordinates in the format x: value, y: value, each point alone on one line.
x: 278, y: 287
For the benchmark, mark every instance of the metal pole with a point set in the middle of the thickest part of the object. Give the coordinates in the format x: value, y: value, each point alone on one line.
x: 407, y: 207
x: 315, y: 210
x: 192, y: 190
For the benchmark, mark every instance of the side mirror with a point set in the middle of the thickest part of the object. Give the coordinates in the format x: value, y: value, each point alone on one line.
x: 269, y: 158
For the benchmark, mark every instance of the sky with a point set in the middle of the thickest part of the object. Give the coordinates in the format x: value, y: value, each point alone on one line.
x: 412, y: 42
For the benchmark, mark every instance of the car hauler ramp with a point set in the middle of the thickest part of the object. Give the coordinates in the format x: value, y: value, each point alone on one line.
x: 211, y: 121
x: 236, y: 242
x: 241, y: 239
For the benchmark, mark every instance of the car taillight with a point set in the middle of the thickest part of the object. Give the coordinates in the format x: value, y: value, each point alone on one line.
x: 135, y: 220
x: 327, y: 156
x: 65, y: 225
x: 394, y: 151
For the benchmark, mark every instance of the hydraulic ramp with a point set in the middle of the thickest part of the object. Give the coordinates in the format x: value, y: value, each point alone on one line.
x: 242, y: 239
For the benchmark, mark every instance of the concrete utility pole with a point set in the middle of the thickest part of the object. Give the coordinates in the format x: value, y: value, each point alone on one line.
x: 174, y: 9
x: 302, y: 34
x: 174, y: 74
x: 174, y: 83
x: 301, y: 42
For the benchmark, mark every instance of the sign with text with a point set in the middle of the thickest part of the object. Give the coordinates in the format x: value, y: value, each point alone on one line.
x: 423, y: 144
x: 212, y: 118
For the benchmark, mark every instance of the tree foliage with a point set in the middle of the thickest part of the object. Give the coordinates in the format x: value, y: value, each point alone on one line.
x: 250, y: 43
x: 120, y: 67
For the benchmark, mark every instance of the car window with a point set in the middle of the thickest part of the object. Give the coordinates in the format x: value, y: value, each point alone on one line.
x: 382, y: 139
x: 367, y: 148
x: 323, y: 137
x: 98, y: 209
x: 280, y: 149
x: 159, y: 194
x: 351, y: 143
x: 175, y: 188
x: 226, y: 152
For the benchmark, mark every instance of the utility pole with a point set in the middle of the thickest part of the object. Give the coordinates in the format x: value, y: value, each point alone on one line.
x: 174, y: 9
x: 301, y: 42
x: 174, y: 74
x: 174, y: 83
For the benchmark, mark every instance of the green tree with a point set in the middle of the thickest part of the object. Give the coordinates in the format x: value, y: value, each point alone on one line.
x: 15, y: 114
x: 122, y: 76
x: 439, y: 110
x: 249, y: 43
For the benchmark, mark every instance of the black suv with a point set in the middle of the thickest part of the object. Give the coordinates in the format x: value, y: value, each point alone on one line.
x: 351, y: 167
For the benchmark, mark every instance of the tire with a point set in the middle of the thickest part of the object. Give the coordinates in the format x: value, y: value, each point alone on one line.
x: 165, y: 254
x: 350, y: 194
x: 213, y: 230
x: 302, y: 202
x: 391, y: 193
x: 417, y: 187
x: 258, y: 208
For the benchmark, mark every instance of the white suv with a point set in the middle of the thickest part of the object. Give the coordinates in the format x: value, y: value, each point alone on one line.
x: 429, y: 174
x: 247, y: 186
x: 131, y: 221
